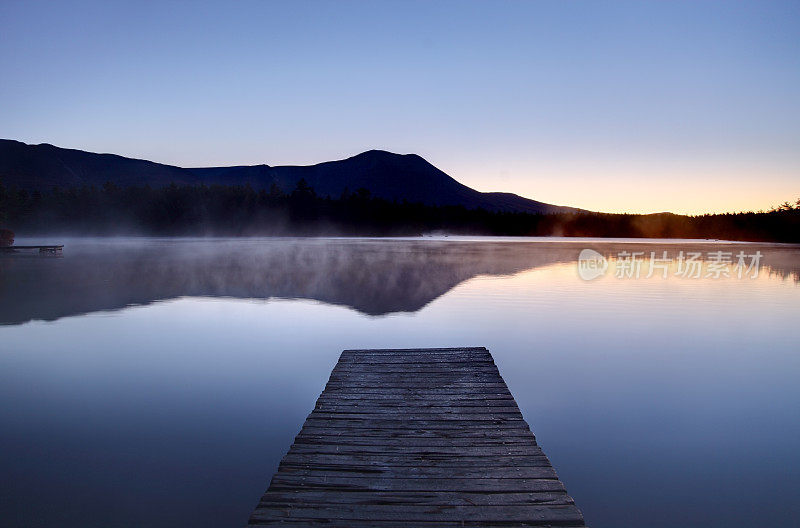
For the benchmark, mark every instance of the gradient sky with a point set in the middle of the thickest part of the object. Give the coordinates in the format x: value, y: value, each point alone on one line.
x: 616, y: 106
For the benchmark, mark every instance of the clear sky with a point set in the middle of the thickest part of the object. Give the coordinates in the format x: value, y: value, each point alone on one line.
x: 617, y: 106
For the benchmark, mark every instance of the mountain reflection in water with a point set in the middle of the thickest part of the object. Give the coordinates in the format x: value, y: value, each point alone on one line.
x: 373, y: 276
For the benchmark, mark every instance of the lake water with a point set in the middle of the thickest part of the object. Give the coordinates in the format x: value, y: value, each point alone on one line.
x: 155, y: 382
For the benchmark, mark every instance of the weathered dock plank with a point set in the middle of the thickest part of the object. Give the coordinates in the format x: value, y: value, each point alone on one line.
x: 416, y: 438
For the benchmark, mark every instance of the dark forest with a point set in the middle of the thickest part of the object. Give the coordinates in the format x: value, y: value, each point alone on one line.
x: 242, y: 211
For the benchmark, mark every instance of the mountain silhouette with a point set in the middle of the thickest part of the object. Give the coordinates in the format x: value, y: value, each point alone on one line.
x: 386, y: 175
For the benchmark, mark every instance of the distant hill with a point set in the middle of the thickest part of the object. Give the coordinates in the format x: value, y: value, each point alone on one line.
x: 391, y: 176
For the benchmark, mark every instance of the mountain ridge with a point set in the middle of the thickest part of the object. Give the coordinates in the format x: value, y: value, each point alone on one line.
x: 399, y: 177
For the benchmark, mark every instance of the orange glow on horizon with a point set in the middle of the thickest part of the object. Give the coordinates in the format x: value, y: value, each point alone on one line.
x: 643, y: 191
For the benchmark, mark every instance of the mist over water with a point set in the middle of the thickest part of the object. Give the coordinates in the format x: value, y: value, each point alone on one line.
x: 158, y: 382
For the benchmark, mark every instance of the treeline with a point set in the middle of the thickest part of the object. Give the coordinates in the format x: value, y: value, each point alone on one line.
x: 242, y: 211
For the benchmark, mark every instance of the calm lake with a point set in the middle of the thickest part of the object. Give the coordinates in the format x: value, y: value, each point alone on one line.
x: 158, y: 382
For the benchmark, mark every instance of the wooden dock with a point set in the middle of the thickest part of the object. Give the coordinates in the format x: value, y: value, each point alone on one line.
x: 416, y: 438
x: 42, y: 249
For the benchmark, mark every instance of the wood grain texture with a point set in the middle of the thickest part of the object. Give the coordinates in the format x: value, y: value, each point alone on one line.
x: 416, y: 438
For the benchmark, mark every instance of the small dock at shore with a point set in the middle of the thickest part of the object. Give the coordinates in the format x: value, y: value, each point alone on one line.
x: 413, y: 438
x: 41, y: 249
